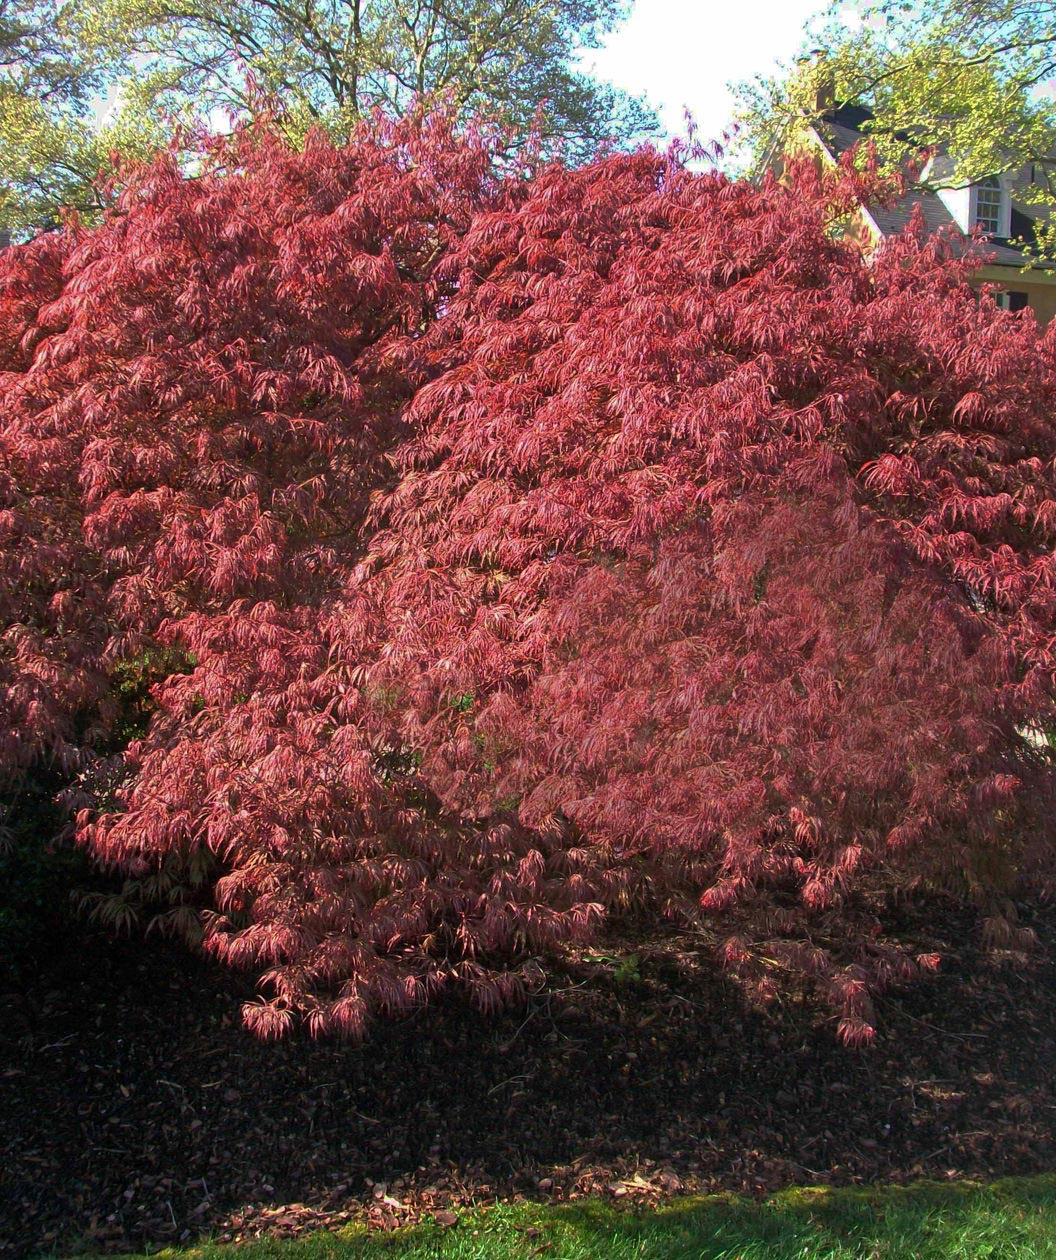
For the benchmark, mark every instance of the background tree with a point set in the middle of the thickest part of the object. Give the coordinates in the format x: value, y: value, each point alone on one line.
x: 973, y: 78
x: 51, y: 147
x: 323, y: 62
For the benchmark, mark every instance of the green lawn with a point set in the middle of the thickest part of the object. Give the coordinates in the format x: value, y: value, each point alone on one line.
x: 1011, y: 1218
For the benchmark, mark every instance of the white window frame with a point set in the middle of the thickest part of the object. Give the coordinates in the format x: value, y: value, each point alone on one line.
x: 1000, y: 220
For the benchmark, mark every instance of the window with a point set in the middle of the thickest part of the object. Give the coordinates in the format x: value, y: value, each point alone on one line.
x: 988, y: 206
x: 1012, y: 301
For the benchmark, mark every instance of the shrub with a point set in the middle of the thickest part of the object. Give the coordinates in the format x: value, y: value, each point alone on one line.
x: 533, y: 549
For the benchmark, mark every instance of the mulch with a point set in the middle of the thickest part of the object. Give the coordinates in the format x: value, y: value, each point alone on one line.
x: 135, y: 1111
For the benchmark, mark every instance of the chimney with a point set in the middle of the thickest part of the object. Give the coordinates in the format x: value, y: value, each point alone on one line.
x: 820, y: 81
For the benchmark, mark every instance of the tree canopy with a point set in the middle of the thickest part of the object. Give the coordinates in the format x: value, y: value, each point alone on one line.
x: 501, y: 554
x: 973, y: 79
x: 49, y: 154
x: 322, y: 63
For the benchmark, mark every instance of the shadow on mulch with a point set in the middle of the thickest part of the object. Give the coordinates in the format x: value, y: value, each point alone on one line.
x: 138, y: 1113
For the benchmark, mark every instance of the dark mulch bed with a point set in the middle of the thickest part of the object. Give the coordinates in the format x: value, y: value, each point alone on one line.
x: 136, y: 1112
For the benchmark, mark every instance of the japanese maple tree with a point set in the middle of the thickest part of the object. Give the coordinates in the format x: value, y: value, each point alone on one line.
x: 513, y: 551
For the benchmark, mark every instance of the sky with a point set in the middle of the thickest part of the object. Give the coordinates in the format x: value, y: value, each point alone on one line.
x: 683, y: 53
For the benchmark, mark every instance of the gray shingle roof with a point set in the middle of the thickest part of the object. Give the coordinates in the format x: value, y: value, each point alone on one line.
x: 894, y: 218
x: 838, y: 137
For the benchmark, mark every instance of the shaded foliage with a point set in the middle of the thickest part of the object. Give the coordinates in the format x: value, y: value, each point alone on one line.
x: 532, y: 549
x: 42, y: 875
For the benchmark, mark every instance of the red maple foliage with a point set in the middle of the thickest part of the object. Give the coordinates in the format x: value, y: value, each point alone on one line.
x: 525, y: 550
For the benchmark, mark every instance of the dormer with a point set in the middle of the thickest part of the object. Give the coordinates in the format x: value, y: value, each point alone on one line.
x: 986, y: 205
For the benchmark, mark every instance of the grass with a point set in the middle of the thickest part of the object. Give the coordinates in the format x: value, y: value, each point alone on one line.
x: 1013, y: 1218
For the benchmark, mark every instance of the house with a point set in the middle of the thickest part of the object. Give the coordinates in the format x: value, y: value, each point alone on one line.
x: 992, y: 204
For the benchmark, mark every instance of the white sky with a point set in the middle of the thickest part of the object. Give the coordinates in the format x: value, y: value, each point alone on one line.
x: 683, y: 54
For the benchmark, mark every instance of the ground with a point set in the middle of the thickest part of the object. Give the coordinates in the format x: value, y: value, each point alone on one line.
x: 137, y: 1112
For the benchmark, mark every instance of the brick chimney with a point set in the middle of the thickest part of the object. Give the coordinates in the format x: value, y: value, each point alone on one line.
x: 820, y: 81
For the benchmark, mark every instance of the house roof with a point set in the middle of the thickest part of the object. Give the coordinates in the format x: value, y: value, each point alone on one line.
x: 840, y: 129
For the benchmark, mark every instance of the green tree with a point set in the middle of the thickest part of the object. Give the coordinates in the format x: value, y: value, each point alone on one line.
x: 321, y: 62
x: 971, y: 77
x: 51, y: 148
